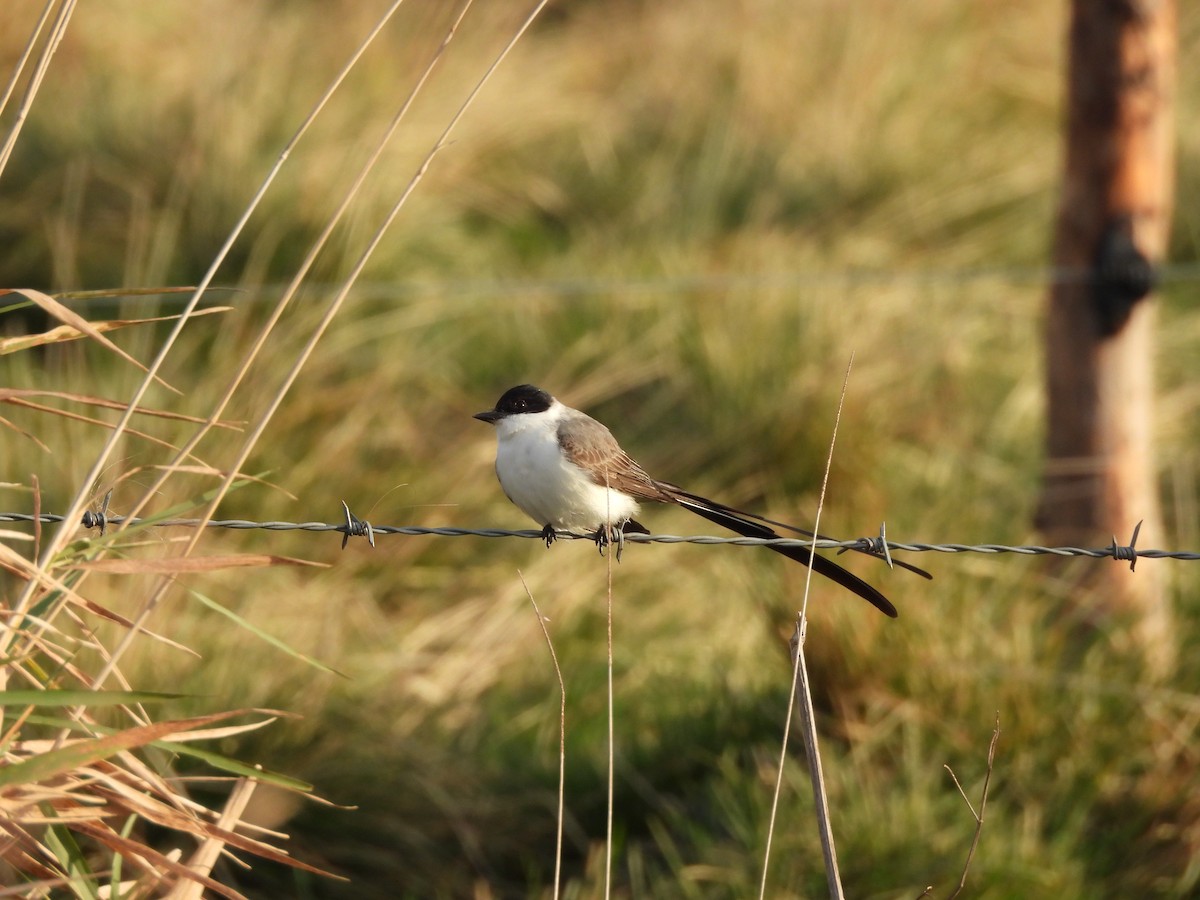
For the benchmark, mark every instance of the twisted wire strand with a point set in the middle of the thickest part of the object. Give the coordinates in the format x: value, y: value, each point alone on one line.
x: 355, y: 527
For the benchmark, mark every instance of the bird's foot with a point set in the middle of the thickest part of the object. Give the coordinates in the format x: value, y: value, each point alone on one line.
x: 610, y: 534
x: 548, y: 535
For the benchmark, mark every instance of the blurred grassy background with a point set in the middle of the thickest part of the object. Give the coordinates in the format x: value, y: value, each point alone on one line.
x: 657, y: 212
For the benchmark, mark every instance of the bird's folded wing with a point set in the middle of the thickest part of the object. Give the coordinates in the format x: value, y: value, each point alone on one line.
x: 591, y: 446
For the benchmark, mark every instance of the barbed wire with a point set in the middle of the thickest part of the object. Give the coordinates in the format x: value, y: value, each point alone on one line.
x: 874, y: 546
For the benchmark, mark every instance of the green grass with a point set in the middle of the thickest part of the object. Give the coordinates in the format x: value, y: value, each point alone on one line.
x: 575, y: 234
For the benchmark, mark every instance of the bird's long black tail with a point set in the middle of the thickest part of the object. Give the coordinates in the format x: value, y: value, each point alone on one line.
x: 726, y: 518
x: 680, y: 494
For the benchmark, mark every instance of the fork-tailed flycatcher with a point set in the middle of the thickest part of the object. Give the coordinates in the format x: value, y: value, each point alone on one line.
x: 566, y: 471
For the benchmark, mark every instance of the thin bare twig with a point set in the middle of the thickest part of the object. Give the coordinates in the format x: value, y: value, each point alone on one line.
x: 808, y: 729
x: 987, y: 780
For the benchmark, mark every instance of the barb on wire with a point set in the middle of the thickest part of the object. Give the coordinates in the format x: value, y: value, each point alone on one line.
x: 1130, y: 553
x: 98, y: 519
x: 356, y: 527
x: 875, y: 546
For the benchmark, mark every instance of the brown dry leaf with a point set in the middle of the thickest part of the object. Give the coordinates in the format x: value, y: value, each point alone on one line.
x: 70, y: 317
x: 138, y: 292
x: 27, y: 860
x: 139, y: 777
x: 7, y: 394
x: 38, y: 407
x: 104, y: 613
x: 140, y: 855
x: 35, y: 746
x: 183, y: 564
x: 165, y: 816
x: 70, y: 332
x: 79, y: 753
x: 216, y: 734
x: 21, y: 431
x: 75, y: 803
x: 27, y: 569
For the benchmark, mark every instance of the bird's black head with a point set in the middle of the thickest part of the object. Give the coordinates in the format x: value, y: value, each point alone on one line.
x: 524, y: 398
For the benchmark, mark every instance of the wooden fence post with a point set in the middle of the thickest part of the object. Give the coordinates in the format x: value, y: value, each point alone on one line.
x: 1112, y: 228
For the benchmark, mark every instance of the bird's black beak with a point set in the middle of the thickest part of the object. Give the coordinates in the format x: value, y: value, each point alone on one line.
x: 490, y: 416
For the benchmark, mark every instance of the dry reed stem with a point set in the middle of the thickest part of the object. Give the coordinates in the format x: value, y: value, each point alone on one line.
x: 39, y: 72
x: 562, y: 739
x: 206, y: 854
x: 800, y: 684
x: 76, y: 506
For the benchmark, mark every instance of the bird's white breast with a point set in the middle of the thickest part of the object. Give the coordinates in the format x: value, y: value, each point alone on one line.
x: 545, y: 485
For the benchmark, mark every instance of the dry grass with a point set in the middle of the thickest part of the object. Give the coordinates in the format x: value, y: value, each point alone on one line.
x: 576, y: 234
